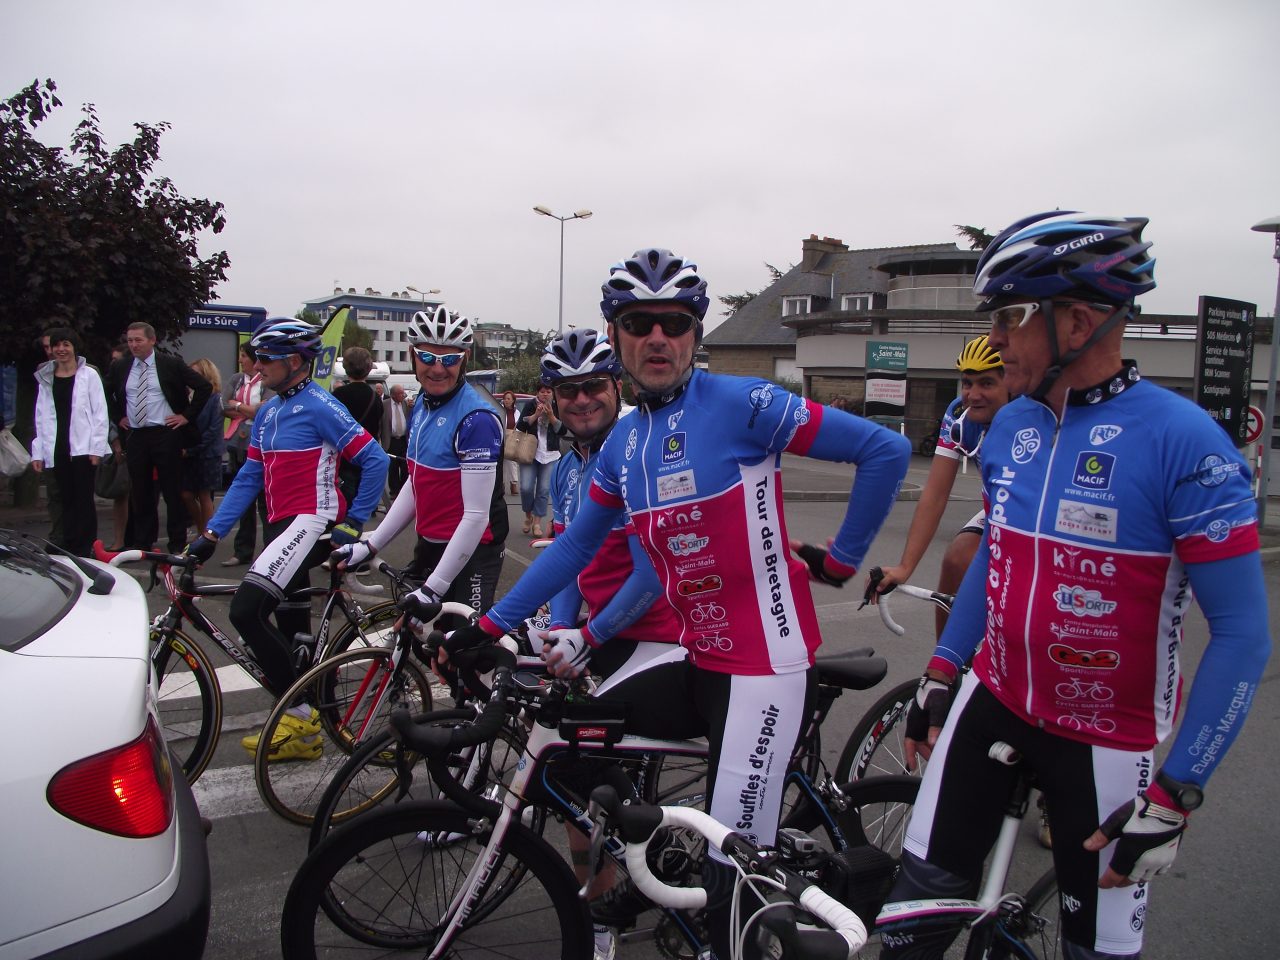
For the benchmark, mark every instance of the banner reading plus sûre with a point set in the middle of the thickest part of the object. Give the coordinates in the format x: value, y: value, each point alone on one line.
x: 332, y: 340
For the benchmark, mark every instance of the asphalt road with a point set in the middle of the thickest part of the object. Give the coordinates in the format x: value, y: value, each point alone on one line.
x: 1220, y: 901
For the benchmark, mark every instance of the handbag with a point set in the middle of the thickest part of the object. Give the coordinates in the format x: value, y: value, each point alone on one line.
x: 13, y: 455
x: 112, y: 481
x: 520, y: 447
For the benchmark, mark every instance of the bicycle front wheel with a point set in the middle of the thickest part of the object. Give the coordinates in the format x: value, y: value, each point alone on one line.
x: 387, y: 882
x: 354, y: 693
x: 875, y: 748
x: 189, y: 700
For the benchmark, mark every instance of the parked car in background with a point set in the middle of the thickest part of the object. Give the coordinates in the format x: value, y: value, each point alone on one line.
x: 103, y: 853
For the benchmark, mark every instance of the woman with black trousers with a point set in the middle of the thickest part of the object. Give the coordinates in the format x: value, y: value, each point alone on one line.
x: 71, y: 435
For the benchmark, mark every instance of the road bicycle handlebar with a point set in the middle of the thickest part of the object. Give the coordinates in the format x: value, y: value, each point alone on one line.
x: 636, y: 825
x: 434, y: 741
x: 875, y: 575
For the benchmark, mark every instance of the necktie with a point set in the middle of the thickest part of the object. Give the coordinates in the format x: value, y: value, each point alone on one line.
x: 138, y: 408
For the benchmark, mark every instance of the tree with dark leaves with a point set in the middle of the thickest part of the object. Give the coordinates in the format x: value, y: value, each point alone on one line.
x: 978, y: 238
x: 736, y: 301
x: 91, y: 238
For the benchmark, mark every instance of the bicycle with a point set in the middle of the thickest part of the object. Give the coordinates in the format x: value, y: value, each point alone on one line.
x: 190, y: 698
x: 353, y: 691
x: 1000, y: 925
x: 474, y: 874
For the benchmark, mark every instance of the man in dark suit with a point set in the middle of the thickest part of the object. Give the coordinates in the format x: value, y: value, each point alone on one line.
x: 395, y: 436
x: 147, y: 395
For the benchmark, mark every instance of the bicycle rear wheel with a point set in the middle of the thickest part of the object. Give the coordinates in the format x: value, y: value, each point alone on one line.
x: 875, y: 748
x: 189, y: 699
x: 344, y: 690
x: 374, y: 629
x: 386, y: 882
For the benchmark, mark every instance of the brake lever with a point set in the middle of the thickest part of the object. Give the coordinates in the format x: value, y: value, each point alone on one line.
x: 404, y: 771
x: 155, y: 577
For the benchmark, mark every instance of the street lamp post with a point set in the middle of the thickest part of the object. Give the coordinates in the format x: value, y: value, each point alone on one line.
x: 423, y: 294
x: 579, y: 215
x: 1270, y: 225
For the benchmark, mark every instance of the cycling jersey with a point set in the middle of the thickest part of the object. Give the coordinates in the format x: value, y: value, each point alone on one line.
x: 461, y: 435
x: 619, y: 584
x: 297, y: 439
x: 967, y: 442
x: 1092, y: 523
x: 699, y: 476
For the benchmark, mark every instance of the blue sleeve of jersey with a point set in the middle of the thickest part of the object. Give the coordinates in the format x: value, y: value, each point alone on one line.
x: 479, y: 437
x: 881, y: 457
x: 968, y: 621
x: 633, y: 598
x: 566, y: 606
x: 373, y: 463
x: 1233, y: 597
x: 559, y: 564
x: 240, y: 495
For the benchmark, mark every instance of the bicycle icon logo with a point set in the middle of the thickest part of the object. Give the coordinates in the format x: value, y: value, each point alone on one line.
x: 713, y: 641
x: 1079, y: 690
x: 706, y: 612
x: 1087, y: 721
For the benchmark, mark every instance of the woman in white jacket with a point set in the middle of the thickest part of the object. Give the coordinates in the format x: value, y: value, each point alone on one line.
x: 71, y: 435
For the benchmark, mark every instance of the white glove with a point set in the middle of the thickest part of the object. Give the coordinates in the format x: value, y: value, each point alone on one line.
x: 353, y: 556
x: 1147, y: 837
x: 566, y: 652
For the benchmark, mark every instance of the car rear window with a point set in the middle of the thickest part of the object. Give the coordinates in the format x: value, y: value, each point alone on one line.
x: 35, y: 591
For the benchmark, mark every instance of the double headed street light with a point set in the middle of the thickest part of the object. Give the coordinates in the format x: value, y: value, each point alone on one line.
x: 579, y: 215
x: 423, y: 294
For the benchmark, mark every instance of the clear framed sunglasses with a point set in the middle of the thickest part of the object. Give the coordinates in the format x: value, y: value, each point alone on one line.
x: 1013, y: 315
x: 430, y: 359
x: 957, y: 436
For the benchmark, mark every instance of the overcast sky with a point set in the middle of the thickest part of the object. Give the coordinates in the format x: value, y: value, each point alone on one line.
x: 387, y: 144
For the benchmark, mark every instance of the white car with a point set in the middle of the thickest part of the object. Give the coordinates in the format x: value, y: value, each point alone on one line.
x: 102, y: 853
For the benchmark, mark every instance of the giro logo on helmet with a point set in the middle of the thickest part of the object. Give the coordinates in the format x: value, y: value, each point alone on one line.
x: 1076, y: 244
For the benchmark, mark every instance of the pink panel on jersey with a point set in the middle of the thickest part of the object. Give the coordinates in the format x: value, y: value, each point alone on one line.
x: 437, y: 497
x: 804, y: 437
x: 1200, y: 549
x: 603, y: 577
x: 303, y: 481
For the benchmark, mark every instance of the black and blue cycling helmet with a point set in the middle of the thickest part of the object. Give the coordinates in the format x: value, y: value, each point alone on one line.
x: 653, y: 274
x: 280, y: 337
x: 1066, y: 253
x: 576, y: 353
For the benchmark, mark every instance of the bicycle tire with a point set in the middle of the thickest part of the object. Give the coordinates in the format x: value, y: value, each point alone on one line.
x: 875, y: 747
x: 368, y: 777
x: 381, y: 882
x: 292, y: 789
x: 372, y: 630
x: 189, y: 699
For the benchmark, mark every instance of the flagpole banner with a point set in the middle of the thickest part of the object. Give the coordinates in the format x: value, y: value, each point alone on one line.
x: 331, y: 343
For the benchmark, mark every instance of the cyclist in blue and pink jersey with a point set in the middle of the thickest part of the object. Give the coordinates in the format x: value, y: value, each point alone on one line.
x: 298, y: 438
x: 454, y: 492
x: 697, y: 468
x: 1110, y: 500
x: 964, y: 425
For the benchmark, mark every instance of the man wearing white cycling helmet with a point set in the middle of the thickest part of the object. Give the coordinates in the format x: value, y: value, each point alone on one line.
x: 454, y: 492
x: 1109, y: 501
x: 697, y: 468
x: 299, y: 437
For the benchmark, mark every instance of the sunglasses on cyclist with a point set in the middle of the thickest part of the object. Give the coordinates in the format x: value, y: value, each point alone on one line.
x: 640, y: 324
x: 1013, y: 315
x: 592, y: 388
x: 446, y: 360
x: 268, y: 357
x: 957, y: 436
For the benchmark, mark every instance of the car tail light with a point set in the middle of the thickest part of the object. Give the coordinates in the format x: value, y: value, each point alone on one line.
x: 126, y: 791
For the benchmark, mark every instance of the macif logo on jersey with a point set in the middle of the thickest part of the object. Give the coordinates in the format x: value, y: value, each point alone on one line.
x: 1093, y: 470
x: 673, y: 448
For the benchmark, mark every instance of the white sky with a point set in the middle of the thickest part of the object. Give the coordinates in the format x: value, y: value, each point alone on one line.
x: 385, y: 144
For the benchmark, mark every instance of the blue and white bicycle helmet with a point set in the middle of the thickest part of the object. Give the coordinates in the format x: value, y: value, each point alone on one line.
x: 578, y: 352
x: 281, y: 337
x: 441, y: 328
x: 1066, y: 252
x: 653, y: 274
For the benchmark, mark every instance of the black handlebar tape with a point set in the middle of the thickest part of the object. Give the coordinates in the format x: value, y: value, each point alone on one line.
x: 636, y: 822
